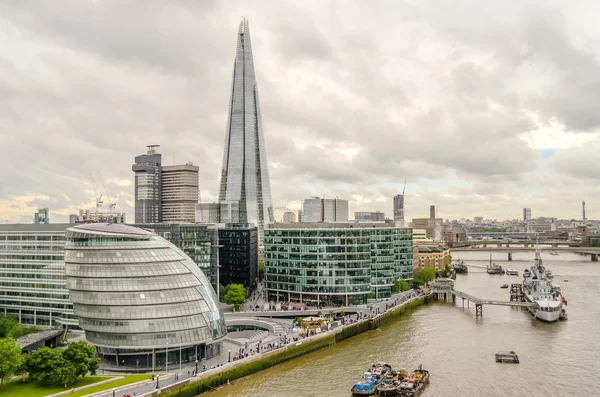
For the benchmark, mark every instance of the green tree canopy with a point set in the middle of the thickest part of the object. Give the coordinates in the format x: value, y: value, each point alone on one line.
x: 10, y: 358
x: 235, y: 295
x: 9, y: 327
x: 81, y: 355
x: 423, y: 275
x: 45, y: 366
x: 261, y: 270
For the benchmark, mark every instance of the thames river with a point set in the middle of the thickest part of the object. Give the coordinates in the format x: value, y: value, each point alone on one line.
x: 560, y: 359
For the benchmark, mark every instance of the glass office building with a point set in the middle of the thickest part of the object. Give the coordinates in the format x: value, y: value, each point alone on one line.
x: 141, y: 300
x: 245, y: 173
x: 335, y: 263
x: 32, y: 275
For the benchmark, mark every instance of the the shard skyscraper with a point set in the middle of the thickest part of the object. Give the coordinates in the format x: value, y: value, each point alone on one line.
x: 245, y: 173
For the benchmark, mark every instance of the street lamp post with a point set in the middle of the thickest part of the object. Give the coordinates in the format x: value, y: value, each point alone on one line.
x: 229, y: 355
x: 157, y: 385
x: 113, y: 392
x: 196, y: 366
x: 218, y: 247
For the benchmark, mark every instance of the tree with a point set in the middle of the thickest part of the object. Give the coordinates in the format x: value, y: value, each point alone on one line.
x: 403, y: 285
x: 66, y: 375
x: 7, y: 323
x: 261, y: 270
x: 331, y: 313
x: 371, y: 295
x: 10, y: 358
x: 235, y: 295
x: 81, y: 355
x: 45, y: 366
x: 222, y: 291
x: 423, y: 276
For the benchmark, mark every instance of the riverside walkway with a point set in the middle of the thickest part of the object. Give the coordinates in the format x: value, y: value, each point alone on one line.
x: 443, y: 288
x: 220, y: 363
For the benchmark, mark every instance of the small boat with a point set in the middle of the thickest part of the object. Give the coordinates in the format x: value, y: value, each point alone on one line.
x: 564, y: 300
x: 526, y: 273
x: 512, y: 272
x: 509, y: 357
x: 411, y: 387
x: 566, y: 281
x: 389, y: 387
x: 495, y: 269
x: 504, y: 286
x: 553, y: 252
x: 372, y: 378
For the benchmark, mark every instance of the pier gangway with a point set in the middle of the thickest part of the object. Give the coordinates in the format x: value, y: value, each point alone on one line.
x: 443, y: 289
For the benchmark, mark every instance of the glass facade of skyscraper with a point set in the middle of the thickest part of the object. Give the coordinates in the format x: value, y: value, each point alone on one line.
x: 245, y: 173
x: 335, y: 264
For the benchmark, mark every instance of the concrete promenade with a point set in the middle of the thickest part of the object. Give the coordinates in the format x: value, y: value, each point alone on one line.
x: 221, y: 362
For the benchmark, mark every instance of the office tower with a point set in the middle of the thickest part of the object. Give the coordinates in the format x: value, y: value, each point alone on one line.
x: 245, y: 174
x: 32, y: 275
x: 289, y: 217
x: 376, y: 254
x: 238, y: 254
x: 147, y: 186
x: 526, y: 214
x: 399, y: 210
x: 324, y: 210
x: 300, y: 216
x: 432, y: 211
x: 72, y: 218
x: 376, y: 216
x: 179, y: 192
x: 41, y: 216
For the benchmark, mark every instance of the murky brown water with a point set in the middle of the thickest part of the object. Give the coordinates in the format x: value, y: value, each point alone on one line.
x: 560, y: 359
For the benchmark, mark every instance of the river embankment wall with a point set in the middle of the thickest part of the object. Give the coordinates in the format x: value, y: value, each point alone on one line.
x: 211, y: 380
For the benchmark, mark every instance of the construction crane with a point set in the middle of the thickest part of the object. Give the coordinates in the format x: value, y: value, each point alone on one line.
x: 111, y: 202
x: 97, y: 196
x: 404, y: 188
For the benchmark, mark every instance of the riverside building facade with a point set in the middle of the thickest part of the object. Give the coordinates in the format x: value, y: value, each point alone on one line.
x: 335, y: 263
x: 32, y: 275
x: 141, y: 300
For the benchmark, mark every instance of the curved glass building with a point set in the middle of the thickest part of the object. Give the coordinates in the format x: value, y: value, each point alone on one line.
x: 141, y: 301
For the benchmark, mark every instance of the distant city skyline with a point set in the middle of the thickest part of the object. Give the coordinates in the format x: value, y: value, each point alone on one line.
x: 479, y: 127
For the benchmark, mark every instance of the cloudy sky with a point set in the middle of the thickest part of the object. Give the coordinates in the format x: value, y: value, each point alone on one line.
x: 485, y: 107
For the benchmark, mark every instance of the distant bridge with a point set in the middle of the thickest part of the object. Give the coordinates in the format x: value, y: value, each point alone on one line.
x: 592, y: 251
x: 443, y: 288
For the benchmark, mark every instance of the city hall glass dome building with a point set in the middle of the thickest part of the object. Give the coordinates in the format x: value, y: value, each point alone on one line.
x: 141, y: 301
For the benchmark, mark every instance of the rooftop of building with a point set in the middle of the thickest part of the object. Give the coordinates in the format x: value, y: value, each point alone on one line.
x: 34, y: 227
x: 113, y: 229
x: 330, y: 225
x: 31, y: 339
x: 180, y: 167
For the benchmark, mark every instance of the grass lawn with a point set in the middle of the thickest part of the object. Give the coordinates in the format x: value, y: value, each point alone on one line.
x: 32, y: 389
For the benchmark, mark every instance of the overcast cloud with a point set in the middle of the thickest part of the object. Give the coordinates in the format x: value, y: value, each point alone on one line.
x: 486, y: 107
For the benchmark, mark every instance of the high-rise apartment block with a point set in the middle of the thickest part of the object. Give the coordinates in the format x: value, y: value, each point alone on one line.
x: 245, y: 172
x: 324, y: 210
x: 147, y: 186
x: 238, y: 255
x: 41, y: 216
x: 223, y: 212
x: 526, y: 214
x: 432, y: 211
x: 164, y: 193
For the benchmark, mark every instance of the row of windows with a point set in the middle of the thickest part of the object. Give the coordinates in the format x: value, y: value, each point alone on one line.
x: 134, y: 312
x: 145, y: 325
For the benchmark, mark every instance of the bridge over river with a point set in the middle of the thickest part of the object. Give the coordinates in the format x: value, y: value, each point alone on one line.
x: 510, y: 249
x: 443, y: 288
